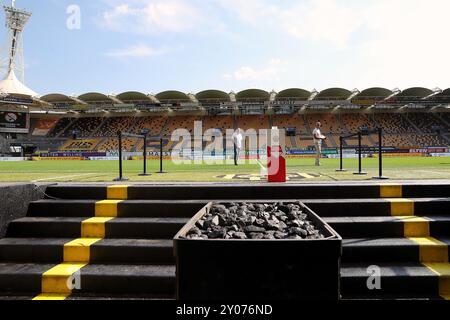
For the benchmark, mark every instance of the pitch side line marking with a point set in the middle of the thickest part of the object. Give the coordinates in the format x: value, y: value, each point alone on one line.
x: 65, y: 177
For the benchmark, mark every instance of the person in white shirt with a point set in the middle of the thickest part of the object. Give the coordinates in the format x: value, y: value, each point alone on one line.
x: 237, y: 141
x: 318, y: 138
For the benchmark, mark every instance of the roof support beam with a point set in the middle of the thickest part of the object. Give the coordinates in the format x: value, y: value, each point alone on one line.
x: 355, y: 92
x: 395, y: 92
x: 436, y: 91
x: 78, y: 101
x: 114, y: 99
x: 313, y: 95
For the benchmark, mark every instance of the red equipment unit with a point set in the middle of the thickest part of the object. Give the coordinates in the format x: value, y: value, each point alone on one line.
x: 276, y: 165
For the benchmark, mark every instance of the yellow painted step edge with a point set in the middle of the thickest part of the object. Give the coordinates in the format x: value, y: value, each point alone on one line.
x: 94, y: 227
x: 50, y: 297
x: 431, y: 250
x: 415, y: 226
x: 107, y: 208
x: 79, y: 250
x: 388, y: 190
x: 117, y: 192
x: 61, y: 278
x: 443, y: 271
x: 401, y: 207
x: 57, y: 282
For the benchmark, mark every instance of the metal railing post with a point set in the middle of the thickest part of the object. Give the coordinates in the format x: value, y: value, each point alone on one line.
x: 380, y: 156
x: 121, y: 178
x: 161, y: 156
x: 360, y: 172
x: 341, y: 156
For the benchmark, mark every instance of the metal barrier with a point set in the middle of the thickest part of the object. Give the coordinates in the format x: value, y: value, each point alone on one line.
x: 145, y: 137
x: 360, y: 171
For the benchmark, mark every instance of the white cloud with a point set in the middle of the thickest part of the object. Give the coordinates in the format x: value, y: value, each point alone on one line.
x: 383, y: 42
x: 322, y: 20
x: 378, y: 42
x: 138, y: 51
x: 268, y: 73
x: 151, y: 17
x: 318, y: 20
x: 253, y: 12
x: 408, y: 46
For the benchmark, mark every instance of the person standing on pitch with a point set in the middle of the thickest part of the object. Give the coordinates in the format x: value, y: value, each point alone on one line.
x: 237, y: 141
x: 318, y: 138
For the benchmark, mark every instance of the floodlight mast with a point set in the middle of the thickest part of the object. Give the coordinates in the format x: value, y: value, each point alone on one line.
x: 15, y: 22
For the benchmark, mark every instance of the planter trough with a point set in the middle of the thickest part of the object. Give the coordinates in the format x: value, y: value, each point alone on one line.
x: 235, y: 269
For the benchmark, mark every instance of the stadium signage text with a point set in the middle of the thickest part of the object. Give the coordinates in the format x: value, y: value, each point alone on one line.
x: 11, y: 121
x: 16, y: 100
x: 72, y: 154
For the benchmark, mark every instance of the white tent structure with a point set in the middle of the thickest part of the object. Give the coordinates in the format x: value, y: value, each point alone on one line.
x: 15, y: 22
x: 12, y: 86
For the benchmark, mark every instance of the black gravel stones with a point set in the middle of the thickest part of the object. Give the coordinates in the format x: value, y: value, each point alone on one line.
x: 257, y: 221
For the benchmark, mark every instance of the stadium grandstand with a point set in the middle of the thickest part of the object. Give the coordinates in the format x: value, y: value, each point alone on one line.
x: 411, y: 119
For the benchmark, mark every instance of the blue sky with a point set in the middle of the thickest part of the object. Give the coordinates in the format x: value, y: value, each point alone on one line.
x: 192, y: 45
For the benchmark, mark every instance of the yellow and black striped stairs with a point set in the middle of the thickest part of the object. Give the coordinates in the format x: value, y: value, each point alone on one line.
x: 406, y: 239
x: 76, y: 249
x: 115, y: 242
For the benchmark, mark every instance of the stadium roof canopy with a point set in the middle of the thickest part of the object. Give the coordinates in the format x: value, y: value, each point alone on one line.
x: 443, y: 97
x: 416, y: 92
x: 213, y: 95
x: 173, y: 96
x: 293, y: 94
x: 373, y: 94
x: 253, y: 95
x: 96, y: 97
x: 60, y: 98
x: 333, y: 94
x: 134, y: 96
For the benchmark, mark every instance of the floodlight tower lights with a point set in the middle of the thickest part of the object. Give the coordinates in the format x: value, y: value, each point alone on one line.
x: 15, y: 22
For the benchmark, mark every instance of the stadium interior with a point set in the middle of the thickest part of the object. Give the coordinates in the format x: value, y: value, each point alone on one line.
x: 81, y: 220
x: 413, y: 118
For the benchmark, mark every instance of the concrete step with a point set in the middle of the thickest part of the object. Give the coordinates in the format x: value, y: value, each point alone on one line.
x: 390, y: 297
x: 118, y: 228
x: 390, y: 227
x: 134, y: 258
x: 125, y: 251
x: 402, y: 280
x: 93, y: 297
x: 377, y: 207
x: 94, y: 278
x: 126, y: 209
x: 249, y: 191
x: 383, y: 250
x: 184, y: 208
x: 187, y: 209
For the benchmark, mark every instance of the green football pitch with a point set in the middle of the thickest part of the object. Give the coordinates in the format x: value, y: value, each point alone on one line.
x: 299, y: 170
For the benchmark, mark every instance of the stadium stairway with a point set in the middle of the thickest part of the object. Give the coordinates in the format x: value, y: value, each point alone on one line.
x: 115, y: 242
x: 101, y: 249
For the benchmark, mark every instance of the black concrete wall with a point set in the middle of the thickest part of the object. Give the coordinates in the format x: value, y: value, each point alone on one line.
x: 14, y: 201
